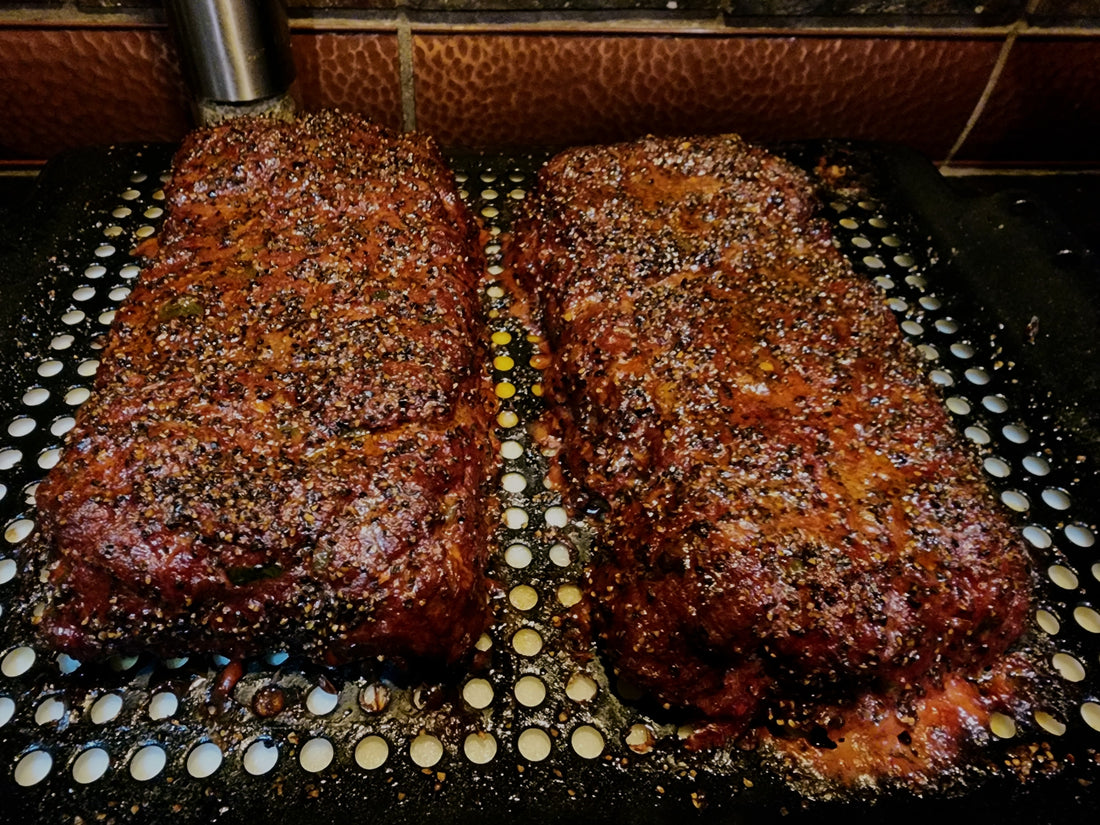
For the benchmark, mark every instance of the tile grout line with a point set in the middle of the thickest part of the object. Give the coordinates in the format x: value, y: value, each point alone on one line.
x: 407, y: 72
x: 987, y: 92
x: 990, y: 83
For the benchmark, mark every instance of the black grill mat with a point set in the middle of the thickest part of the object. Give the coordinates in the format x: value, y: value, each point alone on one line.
x: 993, y: 267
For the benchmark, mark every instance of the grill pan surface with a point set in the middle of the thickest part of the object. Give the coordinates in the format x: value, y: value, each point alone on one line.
x: 534, y: 728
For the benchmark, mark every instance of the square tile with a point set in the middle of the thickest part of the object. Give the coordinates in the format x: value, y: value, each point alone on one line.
x: 507, y: 90
x: 63, y: 88
x: 1045, y: 108
x: 353, y: 71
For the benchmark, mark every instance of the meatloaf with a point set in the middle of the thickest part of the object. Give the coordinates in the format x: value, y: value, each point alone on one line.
x: 789, y: 512
x: 286, y: 445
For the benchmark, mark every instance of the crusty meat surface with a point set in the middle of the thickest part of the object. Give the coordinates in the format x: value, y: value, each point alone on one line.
x: 790, y: 513
x: 286, y: 445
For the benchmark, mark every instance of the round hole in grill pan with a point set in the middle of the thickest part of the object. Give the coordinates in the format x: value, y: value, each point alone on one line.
x: 480, y: 748
x: 1064, y: 577
x: 316, y: 754
x: 530, y: 691
x: 163, y: 705
x: 1087, y: 618
x: 51, y: 710
x: 91, y: 765
x: 106, y: 708
x: 1090, y: 712
x: 62, y: 425
x: 1050, y: 724
x: 546, y: 730
x: 1080, y: 535
x: 372, y: 752
x: 17, y: 530
x: 147, y: 762
x: 942, y: 377
x: 33, y: 767
x: 21, y: 426
x: 426, y: 750
x: 7, y: 710
x: 1047, y: 622
x: 204, y: 760
x: 18, y: 661
x: 534, y: 744
x: 260, y: 757
x: 321, y: 701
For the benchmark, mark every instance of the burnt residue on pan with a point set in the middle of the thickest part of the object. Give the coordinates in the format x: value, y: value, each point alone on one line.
x: 535, y: 726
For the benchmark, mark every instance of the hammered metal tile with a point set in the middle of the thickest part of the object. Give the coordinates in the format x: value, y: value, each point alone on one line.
x: 1045, y: 107
x: 483, y: 90
x: 62, y: 88
x: 356, y: 72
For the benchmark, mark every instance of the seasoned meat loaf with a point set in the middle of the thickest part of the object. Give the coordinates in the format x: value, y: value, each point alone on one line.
x: 286, y: 446
x: 789, y: 512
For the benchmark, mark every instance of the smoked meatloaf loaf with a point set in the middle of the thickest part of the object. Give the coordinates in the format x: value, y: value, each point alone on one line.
x: 286, y: 446
x: 789, y: 511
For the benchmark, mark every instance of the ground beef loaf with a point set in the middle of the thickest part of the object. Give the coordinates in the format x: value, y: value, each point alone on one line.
x: 789, y: 512
x: 287, y: 444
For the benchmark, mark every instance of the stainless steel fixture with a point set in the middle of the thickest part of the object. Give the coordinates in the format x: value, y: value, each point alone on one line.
x: 236, y: 55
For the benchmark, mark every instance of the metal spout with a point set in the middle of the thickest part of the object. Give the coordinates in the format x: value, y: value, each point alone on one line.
x: 233, y: 51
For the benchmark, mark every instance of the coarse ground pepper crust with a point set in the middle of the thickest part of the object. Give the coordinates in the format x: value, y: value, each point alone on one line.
x: 286, y: 446
x: 791, y: 518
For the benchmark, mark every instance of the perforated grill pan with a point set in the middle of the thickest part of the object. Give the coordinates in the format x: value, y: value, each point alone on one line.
x: 1006, y: 320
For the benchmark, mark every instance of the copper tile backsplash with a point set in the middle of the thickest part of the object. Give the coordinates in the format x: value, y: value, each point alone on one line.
x: 65, y: 87
x: 515, y: 89
x: 1020, y: 92
x: 1046, y: 104
x: 358, y: 72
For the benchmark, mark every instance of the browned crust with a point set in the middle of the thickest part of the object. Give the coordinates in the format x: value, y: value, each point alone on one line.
x: 790, y: 511
x: 286, y: 444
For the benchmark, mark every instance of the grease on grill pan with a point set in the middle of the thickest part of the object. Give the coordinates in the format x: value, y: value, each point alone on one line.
x: 643, y: 772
